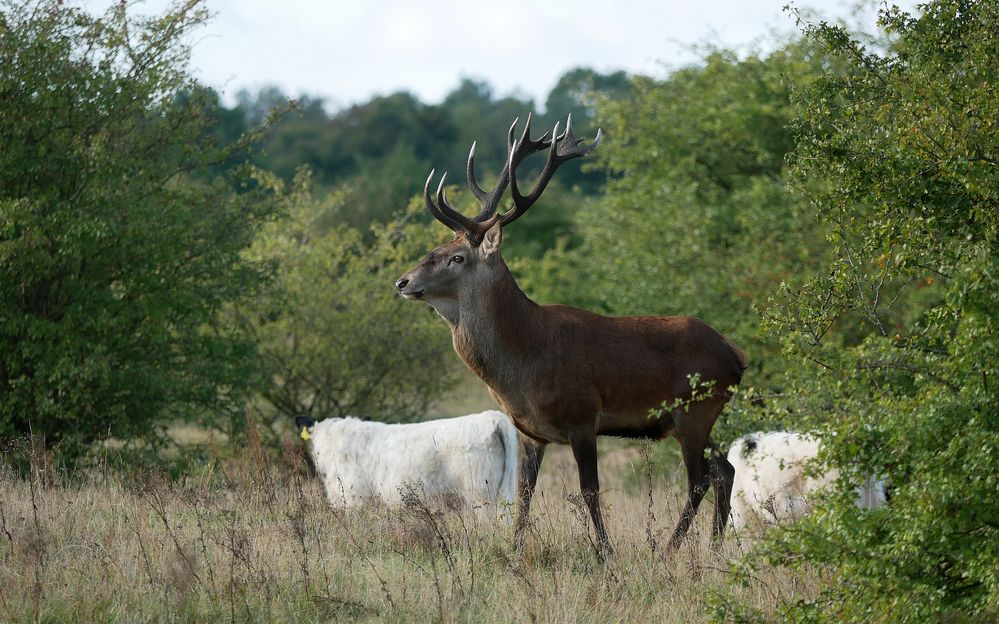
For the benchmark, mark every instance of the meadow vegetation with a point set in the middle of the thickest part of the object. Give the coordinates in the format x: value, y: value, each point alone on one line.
x: 254, y: 539
x: 169, y: 262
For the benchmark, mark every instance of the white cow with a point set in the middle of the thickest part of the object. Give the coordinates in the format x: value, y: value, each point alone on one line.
x: 770, y: 481
x: 473, y: 457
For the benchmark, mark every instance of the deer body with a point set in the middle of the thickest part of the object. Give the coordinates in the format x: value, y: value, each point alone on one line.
x: 555, y: 368
x: 565, y: 375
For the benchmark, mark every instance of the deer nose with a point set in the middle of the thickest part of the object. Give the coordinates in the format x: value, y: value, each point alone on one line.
x: 401, y: 283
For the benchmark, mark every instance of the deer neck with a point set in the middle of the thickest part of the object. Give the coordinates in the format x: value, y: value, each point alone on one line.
x: 498, y: 329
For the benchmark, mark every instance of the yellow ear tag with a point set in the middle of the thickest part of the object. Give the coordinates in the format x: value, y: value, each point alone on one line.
x: 305, y: 434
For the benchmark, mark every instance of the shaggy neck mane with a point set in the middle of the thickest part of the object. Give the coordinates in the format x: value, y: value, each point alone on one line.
x: 497, y: 323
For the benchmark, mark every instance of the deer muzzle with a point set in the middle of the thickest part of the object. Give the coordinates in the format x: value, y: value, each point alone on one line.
x: 406, y: 289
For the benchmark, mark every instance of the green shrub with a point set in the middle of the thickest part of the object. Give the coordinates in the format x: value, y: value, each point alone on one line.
x: 896, y: 336
x: 118, y: 246
x: 332, y: 335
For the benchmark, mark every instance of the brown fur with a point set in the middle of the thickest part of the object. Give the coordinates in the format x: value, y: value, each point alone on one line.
x: 565, y: 375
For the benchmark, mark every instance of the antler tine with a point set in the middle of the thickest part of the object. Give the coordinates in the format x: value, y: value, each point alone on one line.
x: 519, y: 206
x: 489, y: 201
x: 568, y: 128
x: 446, y: 215
x: 525, y: 137
x: 526, y: 146
x: 466, y: 224
x: 563, y: 147
x: 518, y: 150
x: 570, y: 143
x: 473, y: 186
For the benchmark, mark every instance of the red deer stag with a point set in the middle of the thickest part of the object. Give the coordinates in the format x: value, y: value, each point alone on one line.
x: 566, y: 375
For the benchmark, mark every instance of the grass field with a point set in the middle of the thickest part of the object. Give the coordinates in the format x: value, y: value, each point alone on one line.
x: 252, y: 539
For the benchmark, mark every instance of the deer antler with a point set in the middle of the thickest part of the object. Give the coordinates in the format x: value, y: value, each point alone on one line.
x: 564, y: 147
x: 524, y: 147
x: 442, y: 211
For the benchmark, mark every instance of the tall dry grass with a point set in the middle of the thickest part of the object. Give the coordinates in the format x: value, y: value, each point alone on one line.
x: 254, y: 540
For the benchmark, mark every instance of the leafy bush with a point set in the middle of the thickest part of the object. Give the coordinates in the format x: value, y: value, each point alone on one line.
x: 333, y: 337
x: 896, y: 335
x: 117, y: 246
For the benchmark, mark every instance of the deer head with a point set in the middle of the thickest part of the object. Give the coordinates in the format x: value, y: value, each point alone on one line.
x: 469, y: 262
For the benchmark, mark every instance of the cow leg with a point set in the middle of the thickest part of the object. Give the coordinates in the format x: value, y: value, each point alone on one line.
x: 584, y: 449
x: 527, y: 478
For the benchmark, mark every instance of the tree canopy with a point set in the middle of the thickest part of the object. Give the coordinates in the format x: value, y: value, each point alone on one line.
x: 117, y: 246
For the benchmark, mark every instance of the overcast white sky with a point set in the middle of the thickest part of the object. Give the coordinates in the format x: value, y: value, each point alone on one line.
x: 348, y: 50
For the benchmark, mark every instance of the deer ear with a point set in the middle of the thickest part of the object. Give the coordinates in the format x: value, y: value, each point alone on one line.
x: 492, y: 239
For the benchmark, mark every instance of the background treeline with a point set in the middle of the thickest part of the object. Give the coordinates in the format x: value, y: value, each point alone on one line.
x: 380, y: 151
x: 831, y: 205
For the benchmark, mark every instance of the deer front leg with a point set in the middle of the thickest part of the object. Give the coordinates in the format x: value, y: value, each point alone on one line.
x: 584, y: 449
x: 527, y: 478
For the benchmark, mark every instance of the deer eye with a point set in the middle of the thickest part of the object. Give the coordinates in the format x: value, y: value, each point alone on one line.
x: 457, y: 259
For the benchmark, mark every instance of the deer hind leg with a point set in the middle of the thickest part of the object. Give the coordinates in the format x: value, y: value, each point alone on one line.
x: 697, y: 485
x: 584, y: 449
x: 527, y: 478
x: 722, y: 477
x: 693, y: 430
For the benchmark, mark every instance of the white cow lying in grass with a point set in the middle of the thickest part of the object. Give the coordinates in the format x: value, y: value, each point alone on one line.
x: 770, y: 482
x: 470, y: 458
